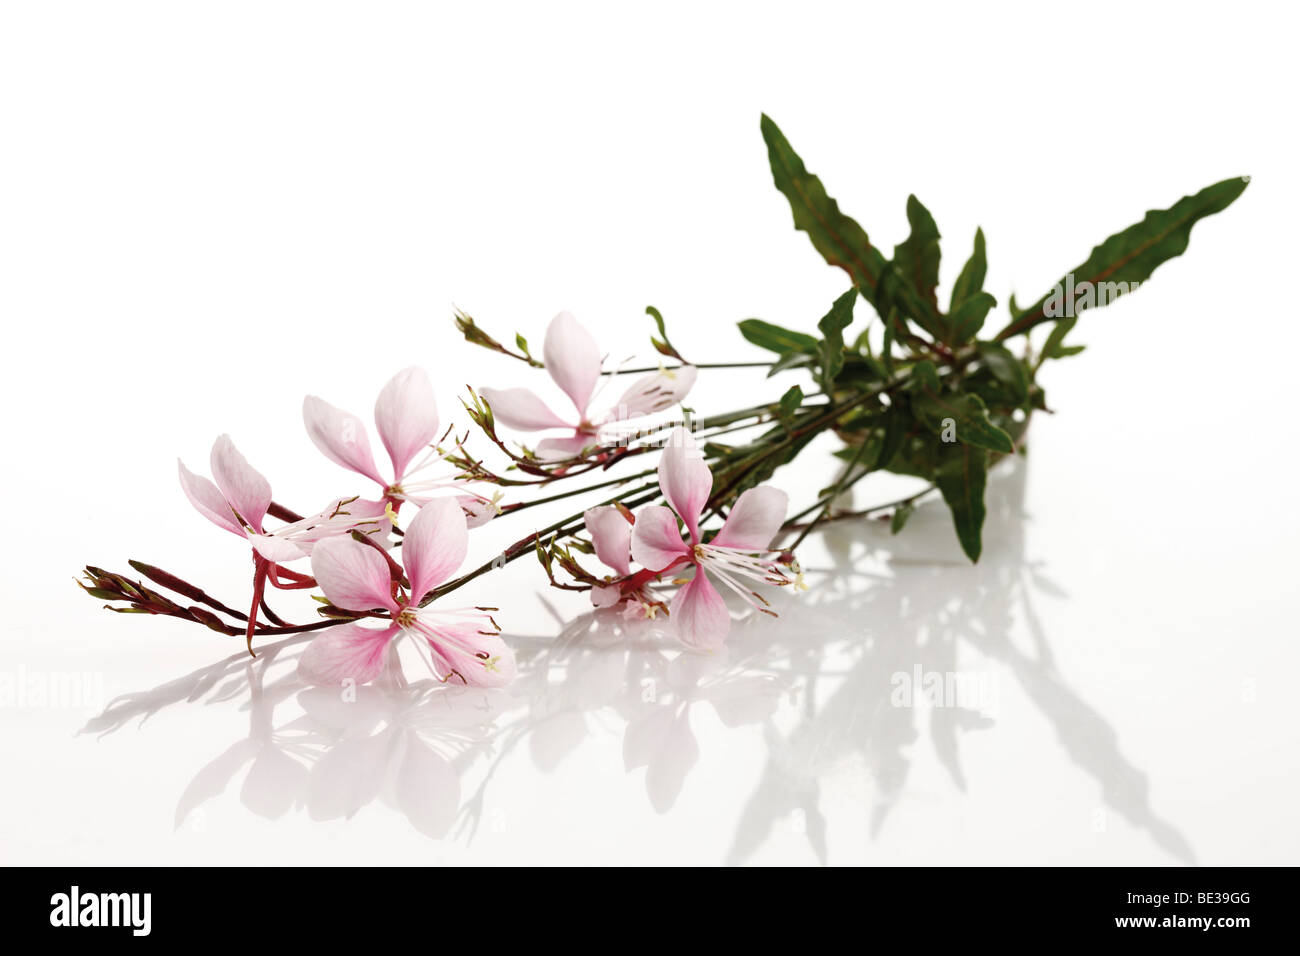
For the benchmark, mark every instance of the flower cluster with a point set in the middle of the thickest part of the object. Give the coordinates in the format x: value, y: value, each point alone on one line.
x: 380, y: 582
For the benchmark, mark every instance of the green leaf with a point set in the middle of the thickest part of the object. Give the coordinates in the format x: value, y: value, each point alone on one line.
x: 839, y: 239
x: 832, y: 326
x: 1006, y: 368
x: 774, y: 338
x: 917, y: 256
x: 900, y: 516
x: 892, y: 440
x: 897, y: 292
x: 789, y: 404
x: 961, y: 477
x: 887, y: 345
x: 925, y: 376
x: 788, y: 361
x: 971, y: 279
x: 1057, y: 336
x: 661, y: 344
x: 968, y: 318
x: 962, y: 415
x: 1128, y: 257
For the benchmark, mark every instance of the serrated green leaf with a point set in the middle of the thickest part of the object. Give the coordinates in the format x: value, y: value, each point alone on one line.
x: 964, y: 416
x: 1131, y: 255
x: 971, y: 278
x: 774, y: 338
x: 832, y: 326
x: 839, y: 238
x: 968, y: 318
x: 961, y: 476
x: 917, y: 256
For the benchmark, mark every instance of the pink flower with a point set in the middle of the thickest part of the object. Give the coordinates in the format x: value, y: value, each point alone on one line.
x: 239, y: 500
x: 610, y: 527
x: 573, y: 361
x: 733, y: 556
x: 406, y: 416
x: 355, y: 577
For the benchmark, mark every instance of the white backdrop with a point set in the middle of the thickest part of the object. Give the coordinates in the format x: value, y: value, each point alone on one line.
x: 208, y: 211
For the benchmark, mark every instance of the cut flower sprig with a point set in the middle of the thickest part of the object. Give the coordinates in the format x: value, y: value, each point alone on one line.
x: 908, y: 385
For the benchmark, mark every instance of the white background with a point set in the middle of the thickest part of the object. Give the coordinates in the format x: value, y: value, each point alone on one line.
x: 208, y: 211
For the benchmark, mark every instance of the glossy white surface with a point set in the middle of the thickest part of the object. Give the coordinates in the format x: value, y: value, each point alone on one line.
x: 206, y: 221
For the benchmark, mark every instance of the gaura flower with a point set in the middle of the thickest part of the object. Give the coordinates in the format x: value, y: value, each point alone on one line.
x: 461, y: 644
x: 238, y: 502
x: 610, y: 527
x: 406, y: 416
x: 241, y: 496
x: 733, y: 557
x: 573, y: 361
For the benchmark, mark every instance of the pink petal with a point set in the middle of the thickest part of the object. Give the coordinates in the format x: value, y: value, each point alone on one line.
x: 754, y: 519
x: 341, y: 516
x: 205, y: 497
x: 611, y: 533
x: 558, y: 449
x: 477, y: 511
x: 699, y: 614
x: 573, y: 359
x: 434, y: 546
x: 477, y: 659
x: 521, y: 409
x: 347, y: 652
x: 246, y: 490
x: 656, y: 542
x: 354, y: 576
x: 605, y: 595
x: 654, y: 393
x: 685, y: 479
x: 277, y: 550
x: 406, y: 415
x: 340, y: 437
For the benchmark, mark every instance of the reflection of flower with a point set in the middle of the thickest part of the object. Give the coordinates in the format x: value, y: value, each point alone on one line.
x: 396, y: 743
x: 658, y: 734
x: 573, y: 361
x: 388, y: 741
x: 813, y: 687
x: 733, y: 556
x: 452, y: 643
